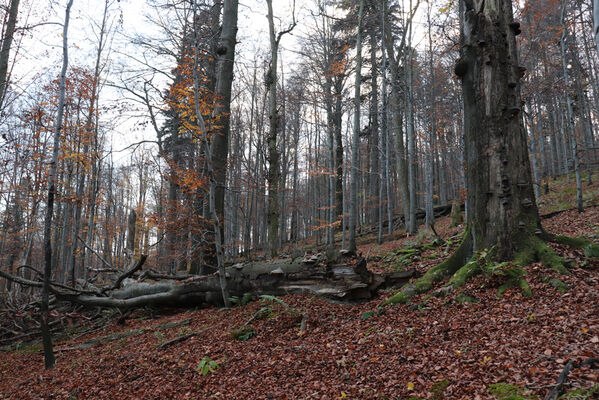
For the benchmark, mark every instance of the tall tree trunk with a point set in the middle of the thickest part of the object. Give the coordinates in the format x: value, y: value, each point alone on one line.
x: 222, y: 109
x: 502, y: 211
x: 429, y: 156
x: 6, y: 44
x: 596, y: 22
x: 373, y: 202
x: 230, y: 8
x: 273, y: 154
x: 570, y: 112
x: 46, y: 337
x: 274, y: 173
x: 353, y: 206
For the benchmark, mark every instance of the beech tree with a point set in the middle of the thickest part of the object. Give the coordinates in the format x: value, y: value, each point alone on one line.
x: 52, y: 178
x: 274, y: 173
x: 7, y: 38
x: 503, y: 218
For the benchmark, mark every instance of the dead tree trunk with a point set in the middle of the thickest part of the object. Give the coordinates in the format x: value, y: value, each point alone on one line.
x: 339, y: 278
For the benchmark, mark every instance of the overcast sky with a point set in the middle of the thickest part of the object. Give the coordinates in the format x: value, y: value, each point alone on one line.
x: 40, y: 53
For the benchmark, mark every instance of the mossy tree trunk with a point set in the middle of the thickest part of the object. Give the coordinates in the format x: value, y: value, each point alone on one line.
x: 503, y: 212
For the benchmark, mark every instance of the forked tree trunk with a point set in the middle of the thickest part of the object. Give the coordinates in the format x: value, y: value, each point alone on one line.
x: 501, y: 202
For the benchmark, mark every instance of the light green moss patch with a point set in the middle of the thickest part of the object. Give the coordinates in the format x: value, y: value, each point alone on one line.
x: 534, y: 249
x: 506, y: 391
x: 463, y: 298
x: 398, y: 298
x: 581, y: 394
x: 558, y: 284
x: 438, y: 389
x: 470, y: 269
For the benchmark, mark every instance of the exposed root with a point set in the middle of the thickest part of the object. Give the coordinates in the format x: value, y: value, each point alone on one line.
x: 591, y: 250
x: 470, y: 269
x: 439, y: 272
x: 535, y: 249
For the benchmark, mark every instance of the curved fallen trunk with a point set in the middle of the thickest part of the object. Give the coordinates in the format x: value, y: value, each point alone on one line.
x: 345, y: 279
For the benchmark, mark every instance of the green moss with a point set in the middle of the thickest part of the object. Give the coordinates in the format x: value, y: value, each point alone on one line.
x: 591, y: 250
x: 398, y: 298
x: 506, y: 391
x: 525, y: 288
x: 558, y: 284
x: 463, y: 298
x: 31, y: 348
x: 581, y: 394
x: 435, y: 274
x: 367, y: 315
x: 438, y: 389
x: 242, y: 333
x: 515, y: 283
x: 423, y: 286
x: 409, y: 251
x: 534, y: 249
x: 577, y: 243
x: 462, y: 275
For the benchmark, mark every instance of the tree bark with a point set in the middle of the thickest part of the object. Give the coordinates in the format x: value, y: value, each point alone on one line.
x: 596, y: 22
x: 46, y: 338
x: 502, y: 211
x: 339, y: 278
x: 353, y: 206
x: 222, y: 109
x: 273, y: 154
x: 6, y: 44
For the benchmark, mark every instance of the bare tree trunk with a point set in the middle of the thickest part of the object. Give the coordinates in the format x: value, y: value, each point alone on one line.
x: 230, y: 11
x: 273, y: 154
x: 224, y: 81
x: 570, y: 113
x: 353, y: 206
x: 502, y: 211
x: 46, y: 338
x: 5, y: 50
x: 429, y: 156
x: 596, y: 22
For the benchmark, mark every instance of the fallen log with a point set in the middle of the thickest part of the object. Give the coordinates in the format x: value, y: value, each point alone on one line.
x: 344, y: 279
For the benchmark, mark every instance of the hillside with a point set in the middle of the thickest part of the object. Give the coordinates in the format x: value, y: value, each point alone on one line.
x: 435, y: 347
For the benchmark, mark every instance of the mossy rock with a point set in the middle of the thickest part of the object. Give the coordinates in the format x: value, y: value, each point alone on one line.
x: 507, y: 391
x: 243, y: 333
x: 463, y: 298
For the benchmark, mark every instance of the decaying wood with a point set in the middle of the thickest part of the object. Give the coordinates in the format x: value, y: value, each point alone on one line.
x: 345, y: 279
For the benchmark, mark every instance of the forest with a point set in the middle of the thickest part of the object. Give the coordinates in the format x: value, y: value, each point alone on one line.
x: 296, y: 199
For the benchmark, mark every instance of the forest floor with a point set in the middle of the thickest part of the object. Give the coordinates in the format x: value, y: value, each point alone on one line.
x: 431, y: 349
